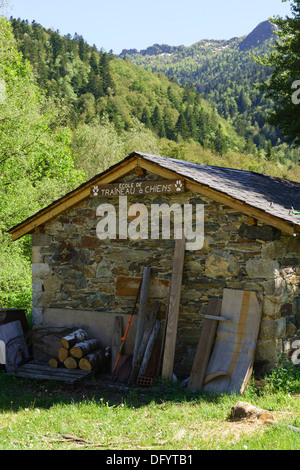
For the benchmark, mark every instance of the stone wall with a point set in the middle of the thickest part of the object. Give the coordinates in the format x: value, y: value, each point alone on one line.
x: 73, y: 269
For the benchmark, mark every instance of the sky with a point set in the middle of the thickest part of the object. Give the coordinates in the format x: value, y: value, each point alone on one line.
x: 126, y: 24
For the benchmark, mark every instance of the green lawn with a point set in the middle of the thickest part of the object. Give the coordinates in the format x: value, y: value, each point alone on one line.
x: 47, y: 415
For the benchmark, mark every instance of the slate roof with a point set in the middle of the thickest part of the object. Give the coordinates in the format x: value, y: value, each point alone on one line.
x: 275, y: 196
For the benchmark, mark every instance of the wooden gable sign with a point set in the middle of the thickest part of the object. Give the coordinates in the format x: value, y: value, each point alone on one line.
x: 139, y: 187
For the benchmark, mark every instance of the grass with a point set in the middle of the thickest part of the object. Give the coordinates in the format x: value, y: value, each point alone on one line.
x: 47, y: 415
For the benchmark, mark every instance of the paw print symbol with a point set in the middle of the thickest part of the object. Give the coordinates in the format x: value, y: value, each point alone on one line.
x: 95, y: 191
x: 179, y: 186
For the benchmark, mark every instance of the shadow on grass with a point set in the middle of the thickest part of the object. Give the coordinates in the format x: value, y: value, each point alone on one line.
x: 19, y: 393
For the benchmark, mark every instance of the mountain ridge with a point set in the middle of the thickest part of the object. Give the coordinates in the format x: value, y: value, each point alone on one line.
x: 262, y: 32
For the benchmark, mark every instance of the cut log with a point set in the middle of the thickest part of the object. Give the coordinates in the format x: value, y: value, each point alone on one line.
x: 70, y: 340
x: 71, y: 363
x: 92, y: 361
x: 85, y: 347
x: 62, y: 354
x: 54, y: 363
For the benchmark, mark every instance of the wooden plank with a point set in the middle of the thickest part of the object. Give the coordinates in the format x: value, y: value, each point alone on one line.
x: 135, y: 188
x: 235, y: 344
x: 116, y: 340
x: 142, y: 311
x: 173, y: 311
x: 205, y: 344
x: 44, y: 372
x: 16, y: 348
x: 33, y: 366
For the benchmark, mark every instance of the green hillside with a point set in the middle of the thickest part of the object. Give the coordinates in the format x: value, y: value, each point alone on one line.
x: 225, y: 74
x: 95, y: 84
x: 69, y: 111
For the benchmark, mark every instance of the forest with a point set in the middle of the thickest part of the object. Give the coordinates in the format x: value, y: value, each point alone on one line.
x: 226, y: 74
x: 68, y: 111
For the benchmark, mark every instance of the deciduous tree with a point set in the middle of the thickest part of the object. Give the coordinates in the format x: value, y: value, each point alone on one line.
x: 285, y: 79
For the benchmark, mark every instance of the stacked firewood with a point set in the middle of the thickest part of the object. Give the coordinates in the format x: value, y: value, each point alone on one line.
x: 79, y: 352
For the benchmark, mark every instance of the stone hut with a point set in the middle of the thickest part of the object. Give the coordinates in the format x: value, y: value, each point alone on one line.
x: 251, y: 242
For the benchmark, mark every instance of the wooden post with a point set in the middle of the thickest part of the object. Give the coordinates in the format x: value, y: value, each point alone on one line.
x: 173, y: 312
x: 142, y: 311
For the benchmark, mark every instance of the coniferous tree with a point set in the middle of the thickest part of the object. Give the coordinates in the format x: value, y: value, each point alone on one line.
x: 182, y: 129
x: 146, y: 118
x: 158, y: 123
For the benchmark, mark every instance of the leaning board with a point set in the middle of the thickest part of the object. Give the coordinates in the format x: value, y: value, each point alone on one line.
x: 205, y: 345
x: 232, y: 357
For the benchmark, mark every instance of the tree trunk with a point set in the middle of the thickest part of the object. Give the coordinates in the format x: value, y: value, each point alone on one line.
x: 85, y: 347
x: 173, y: 312
x: 92, y: 361
x: 70, y: 340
